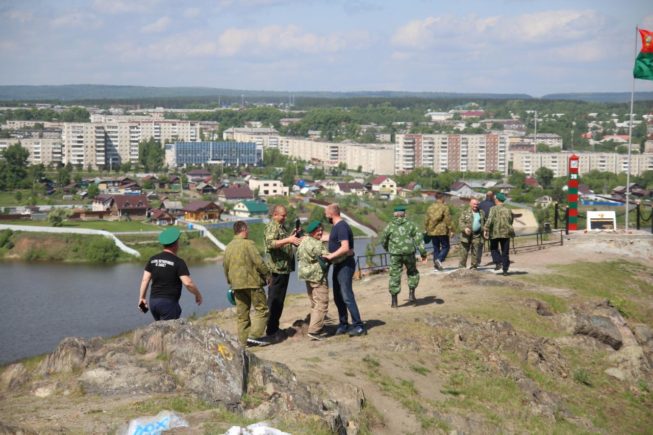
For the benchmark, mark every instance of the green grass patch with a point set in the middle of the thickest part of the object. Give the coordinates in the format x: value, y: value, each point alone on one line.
x: 620, y: 282
x: 178, y: 403
x: 420, y: 370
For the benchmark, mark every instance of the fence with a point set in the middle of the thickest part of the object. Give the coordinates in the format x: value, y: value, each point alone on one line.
x: 561, y: 217
x: 523, y: 242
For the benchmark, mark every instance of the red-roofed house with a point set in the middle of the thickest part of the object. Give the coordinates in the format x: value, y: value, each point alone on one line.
x: 132, y: 206
x: 531, y: 182
x: 235, y: 193
x: 350, y: 189
x: 202, y: 211
x: 384, y: 185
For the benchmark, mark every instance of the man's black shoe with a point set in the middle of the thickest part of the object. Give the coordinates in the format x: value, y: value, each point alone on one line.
x: 505, y: 273
x: 342, y: 329
x: 252, y: 342
x: 497, y: 266
x: 357, y: 331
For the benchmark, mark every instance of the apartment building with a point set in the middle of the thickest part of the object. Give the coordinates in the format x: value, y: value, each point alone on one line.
x: 529, y: 163
x: 374, y: 158
x: 453, y: 152
x: 226, y: 153
x: 551, y: 140
x: 41, y: 150
x: 111, y: 144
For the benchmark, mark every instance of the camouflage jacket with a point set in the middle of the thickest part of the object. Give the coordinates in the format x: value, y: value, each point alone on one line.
x: 499, y: 223
x: 280, y: 260
x: 244, y: 267
x: 438, y: 220
x: 466, y: 220
x: 401, y: 237
x: 307, y: 254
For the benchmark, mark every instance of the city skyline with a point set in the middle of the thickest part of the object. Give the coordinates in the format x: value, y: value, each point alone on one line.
x: 470, y: 46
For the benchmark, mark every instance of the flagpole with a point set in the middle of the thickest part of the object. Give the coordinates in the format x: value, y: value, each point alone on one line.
x: 630, y: 138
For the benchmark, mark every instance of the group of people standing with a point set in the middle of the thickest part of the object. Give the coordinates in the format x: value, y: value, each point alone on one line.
x: 247, y: 272
x: 487, y: 220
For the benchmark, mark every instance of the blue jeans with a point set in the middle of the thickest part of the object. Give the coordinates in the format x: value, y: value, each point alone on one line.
x: 440, y: 247
x: 343, y: 292
x: 165, y: 309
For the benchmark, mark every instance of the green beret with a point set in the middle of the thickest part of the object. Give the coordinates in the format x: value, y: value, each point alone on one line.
x: 312, y: 226
x: 400, y: 208
x: 501, y: 196
x: 169, y: 236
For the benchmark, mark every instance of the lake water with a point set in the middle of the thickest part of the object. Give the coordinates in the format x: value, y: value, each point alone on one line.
x: 44, y: 303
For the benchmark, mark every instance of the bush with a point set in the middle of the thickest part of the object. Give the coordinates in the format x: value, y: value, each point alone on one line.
x: 5, y: 239
x: 100, y: 250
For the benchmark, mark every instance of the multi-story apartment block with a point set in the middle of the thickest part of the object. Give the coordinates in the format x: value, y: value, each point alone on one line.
x: 225, y: 153
x: 529, y: 163
x: 112, y: 144
x: 41, y: 151
x: 453, y: 152
x: 552, y: 140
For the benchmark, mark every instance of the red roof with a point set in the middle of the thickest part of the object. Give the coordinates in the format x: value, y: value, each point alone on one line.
x: 530, y: 181
x: 201, y: 205
x: 236, y: 192
x: 130, y: 202
x: 380, y: 179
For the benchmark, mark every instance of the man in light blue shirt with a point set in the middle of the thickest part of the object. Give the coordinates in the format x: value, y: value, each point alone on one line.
x: 471, y: 223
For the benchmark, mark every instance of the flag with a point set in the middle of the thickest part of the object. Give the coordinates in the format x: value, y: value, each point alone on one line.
x: 644, y: 62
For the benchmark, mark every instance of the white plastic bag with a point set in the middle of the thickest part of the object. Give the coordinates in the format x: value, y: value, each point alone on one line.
x: 261, y: 428
x: 155, y: 425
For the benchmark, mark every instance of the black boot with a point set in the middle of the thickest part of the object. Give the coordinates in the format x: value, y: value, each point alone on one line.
x: 394, y: 302
x: 411, y: 295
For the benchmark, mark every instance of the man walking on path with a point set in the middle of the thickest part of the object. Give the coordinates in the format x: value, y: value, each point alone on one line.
x: 486, y: 205
x: 281, y: 262
x: 341, y: 245
x: 400, y: 239
x: 246, y: 274
x: 471, y: 223
x: 438, y: 227
x: 498, y: 228
x: 167, y: 272
x: 313, y: 269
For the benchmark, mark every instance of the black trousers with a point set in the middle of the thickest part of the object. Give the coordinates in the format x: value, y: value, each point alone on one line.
x: 276, y: 297
x: 504, y: 244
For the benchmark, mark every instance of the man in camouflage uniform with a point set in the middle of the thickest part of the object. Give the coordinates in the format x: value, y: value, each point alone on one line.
x: 399, y: 239
x: 246, y: 274
x: 281, y: 262
x: 498, y: 227
x: 438, y: 227
x: 313, y: 269
x: 471, y: 223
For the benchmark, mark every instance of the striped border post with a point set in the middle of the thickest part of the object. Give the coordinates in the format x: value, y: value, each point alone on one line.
x: 572, y: 192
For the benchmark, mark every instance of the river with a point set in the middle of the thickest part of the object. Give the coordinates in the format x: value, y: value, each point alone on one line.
x: 44, y: 302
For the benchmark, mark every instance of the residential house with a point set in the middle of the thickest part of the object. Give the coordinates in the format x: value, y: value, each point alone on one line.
x: 268, y: 187
x: 161, y: 217
x: 384, y: 186
x: 175, y: 208
x: 543, y: 201
x: 353, y: 188
x: 251, y: 209
x: 235, y: 193
x: 202, y: 211
x: 462, y: 190
x: 531, y: 182
x: 132, y: 206
x: 197, y: 175
x: 205, y: 188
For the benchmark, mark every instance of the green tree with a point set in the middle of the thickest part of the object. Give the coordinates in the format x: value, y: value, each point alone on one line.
x: 57, y: 216
x: 93, y: 190
x: 151, y: 155
x: 544, y: 176
x: 15, y: 170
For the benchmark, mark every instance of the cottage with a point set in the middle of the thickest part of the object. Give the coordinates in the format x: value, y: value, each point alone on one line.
x: 161, y: 217
x: 353, y: 188
x: 202, y: 211
x: 235, y: 193
x: 130, y: 206
x: 251, y: 209
x: 384, y: 186
x: 205, y: 188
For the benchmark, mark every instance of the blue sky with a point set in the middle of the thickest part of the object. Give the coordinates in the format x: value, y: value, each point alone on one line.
x: 502, y: 46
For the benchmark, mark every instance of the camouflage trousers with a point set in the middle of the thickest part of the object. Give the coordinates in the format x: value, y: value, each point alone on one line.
x: 254, y: 327
x: 397, y: 263
x: 474, y: 244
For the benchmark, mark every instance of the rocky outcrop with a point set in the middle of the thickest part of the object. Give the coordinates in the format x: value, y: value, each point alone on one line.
x: 180, y: 357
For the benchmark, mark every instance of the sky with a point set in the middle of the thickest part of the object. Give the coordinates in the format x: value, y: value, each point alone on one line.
x: 535, y: 47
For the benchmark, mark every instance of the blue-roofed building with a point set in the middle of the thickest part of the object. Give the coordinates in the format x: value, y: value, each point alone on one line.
x: 226, y: 153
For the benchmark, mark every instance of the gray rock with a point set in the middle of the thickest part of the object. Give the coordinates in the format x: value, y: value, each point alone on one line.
x: 126, y: 380
x: 13, y: 377
x: 14, y: 430
x: 67, y: 357
x: 616, y: 373
x: 600, y: 328
x: 643, y: 334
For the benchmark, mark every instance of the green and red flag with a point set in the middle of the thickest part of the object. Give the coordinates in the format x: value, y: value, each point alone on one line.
x: 644, y: 62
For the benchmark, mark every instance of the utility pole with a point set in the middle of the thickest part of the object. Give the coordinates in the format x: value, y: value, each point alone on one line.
x: 573, y: 126
x: 535, y: 134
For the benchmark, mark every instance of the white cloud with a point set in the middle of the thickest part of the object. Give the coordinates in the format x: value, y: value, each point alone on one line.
x: 157, y: 26
x: 192, y: 12
x: 124, y: 6
x: 471, y: 31
x: 19, y: 16
x: 80, y: 20
x: 286, y: 39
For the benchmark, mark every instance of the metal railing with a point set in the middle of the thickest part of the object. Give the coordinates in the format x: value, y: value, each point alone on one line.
x: 379, y: 261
